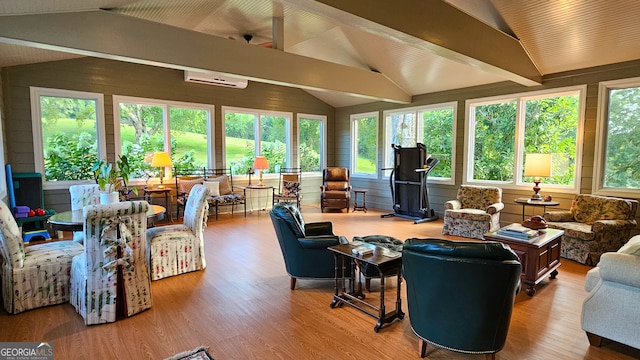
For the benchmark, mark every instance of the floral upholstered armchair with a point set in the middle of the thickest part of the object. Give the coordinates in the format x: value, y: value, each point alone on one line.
x: 475, y: 211
x: 114, y: 238
x: 36, y: 275
x: 593, y: 225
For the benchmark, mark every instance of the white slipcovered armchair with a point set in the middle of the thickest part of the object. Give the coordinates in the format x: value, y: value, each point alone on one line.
x: 114, y: 243
x: 475, y: 211
x: 611, y: 309
x: 178, y: 249
x: 35, y: 275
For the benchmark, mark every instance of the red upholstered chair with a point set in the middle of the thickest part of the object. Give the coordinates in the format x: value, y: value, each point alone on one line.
x: 336, y: 188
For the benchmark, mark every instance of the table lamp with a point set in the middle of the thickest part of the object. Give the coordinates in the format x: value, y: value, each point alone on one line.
x: 537, y: 165
x: 161, y: 160
x: 260, y: 163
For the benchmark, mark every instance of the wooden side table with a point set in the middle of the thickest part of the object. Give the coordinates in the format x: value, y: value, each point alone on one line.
x: 148, y: 192
x: 362, y: 207
x: 535, y: 203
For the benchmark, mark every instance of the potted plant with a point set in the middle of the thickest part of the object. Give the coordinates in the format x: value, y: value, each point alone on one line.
x: 113, y: 179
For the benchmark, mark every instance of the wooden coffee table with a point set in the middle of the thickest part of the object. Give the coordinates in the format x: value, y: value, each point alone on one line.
x: 539, y: 258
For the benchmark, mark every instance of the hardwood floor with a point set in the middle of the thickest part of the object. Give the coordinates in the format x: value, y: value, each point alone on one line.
x: 241, y: 308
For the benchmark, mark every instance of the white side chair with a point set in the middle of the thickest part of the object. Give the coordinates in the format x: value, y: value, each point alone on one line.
x: 178, y: 249
x: 81, y: 196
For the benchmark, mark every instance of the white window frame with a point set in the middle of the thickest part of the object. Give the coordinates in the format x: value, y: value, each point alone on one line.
x: 601, y: 138
x: 36, y: 126
x: 354, y: 144
x: 517, y: 182
x: 166, y: 105
x: 258, y: 114
x: 323, y: 139
x: 419, y: 131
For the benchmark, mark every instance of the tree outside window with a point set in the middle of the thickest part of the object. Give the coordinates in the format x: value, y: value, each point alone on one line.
x: 617, y: 171
x: 247, y: 130
x: 145, y: 126
x: 432, y: 126
x: 311, y: 141
x: 68, y: 133
x: 502, y: 132
x: 364, y: 129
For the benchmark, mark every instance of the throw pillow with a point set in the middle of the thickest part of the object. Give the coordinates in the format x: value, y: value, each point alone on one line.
x: 185, y: 184
x: 632, y: 247
x: 214, y: 187
x: 225, y: 185
x: 290, y: 188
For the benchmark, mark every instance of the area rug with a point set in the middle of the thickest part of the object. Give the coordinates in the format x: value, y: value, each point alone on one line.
x: 200, y: 353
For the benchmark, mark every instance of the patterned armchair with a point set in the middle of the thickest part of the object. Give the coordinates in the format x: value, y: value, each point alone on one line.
x: 36, y: 275
x: 475, y: 211
x: 593, y: 225
x: 81, y: 196
x: 115, y: 243
x: 178, y: 249
x: 288, y: 187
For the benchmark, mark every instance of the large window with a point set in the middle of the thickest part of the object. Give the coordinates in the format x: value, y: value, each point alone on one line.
x: 502, y: 130
x: 68, y: 134
x: 311, y: 141
x: 364, y: 152
x: 246, y: 130
x: 144, y: 126
x: 432, y: 126
x: 617, y: 170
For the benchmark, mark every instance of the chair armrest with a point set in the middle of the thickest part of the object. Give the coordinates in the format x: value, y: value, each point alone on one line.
x: 620, y: 268
x: 453, y: 205
x: 558, y: 216
x: 318, y: 228
x: 494, y: 208
x: 612, y: 225
x: 319, y: 242
x: 323, y: 188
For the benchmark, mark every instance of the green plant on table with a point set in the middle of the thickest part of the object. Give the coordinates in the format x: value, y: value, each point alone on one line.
x: 113, y: 178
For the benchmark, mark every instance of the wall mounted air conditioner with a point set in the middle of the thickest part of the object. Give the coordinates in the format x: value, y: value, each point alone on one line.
x: 215, y: 79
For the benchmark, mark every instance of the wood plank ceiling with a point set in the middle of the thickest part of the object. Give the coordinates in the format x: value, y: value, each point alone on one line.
x: 421, y: 46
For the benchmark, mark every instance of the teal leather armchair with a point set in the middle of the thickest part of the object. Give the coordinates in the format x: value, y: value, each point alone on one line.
x: 460, y: 294
x: 304, y: 246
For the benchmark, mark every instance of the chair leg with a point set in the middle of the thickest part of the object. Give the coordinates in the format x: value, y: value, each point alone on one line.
x: 490, y: 356
x: 595, y: 340
x: 292, y: 285
x: 422, y: 348
x: 367, y: 283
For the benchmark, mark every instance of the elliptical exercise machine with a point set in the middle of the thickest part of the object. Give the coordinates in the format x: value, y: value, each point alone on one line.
x: 408, y: 182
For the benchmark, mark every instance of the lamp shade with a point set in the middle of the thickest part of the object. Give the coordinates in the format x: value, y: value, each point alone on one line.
x: 161, y: 159
x: 260, y: 163
x: 537, y: 165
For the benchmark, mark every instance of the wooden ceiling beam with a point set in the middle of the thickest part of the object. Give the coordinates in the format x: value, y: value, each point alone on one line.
x: 438, y: 27
x: 103, y: 34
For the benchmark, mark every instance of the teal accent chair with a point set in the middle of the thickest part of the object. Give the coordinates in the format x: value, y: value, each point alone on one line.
x: 304, y: 246
x: 460, y: 294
